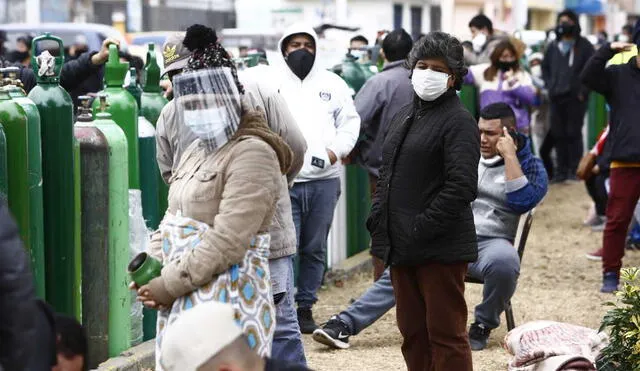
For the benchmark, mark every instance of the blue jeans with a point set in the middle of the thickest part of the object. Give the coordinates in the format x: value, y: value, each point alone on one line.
x: 287, y: 342
x: 312, y: 204
x: 369, y: 307
x: 498, y: 265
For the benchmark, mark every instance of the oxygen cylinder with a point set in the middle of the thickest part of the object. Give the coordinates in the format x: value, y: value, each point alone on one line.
x: 58, y: 176
x: 94, y: 171
x: 119, y: 328
x: 134, y: 88
x: 152, y: 101
x: 123, y: 109
x: 14, y: 119
x: 34, y: 146
x: 352, y: 74
x: 368, y: 70
x: 4, y: 180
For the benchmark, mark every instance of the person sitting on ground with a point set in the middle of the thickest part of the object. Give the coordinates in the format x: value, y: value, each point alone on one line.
x: 72, y: 346
x: 504, y: 80
x: 483, y: 40
x: 208, y: 338
x: 511, y: 182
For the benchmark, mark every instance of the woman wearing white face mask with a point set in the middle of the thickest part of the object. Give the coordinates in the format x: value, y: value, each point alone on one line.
x: 213, y: 241
x: 421, y: 221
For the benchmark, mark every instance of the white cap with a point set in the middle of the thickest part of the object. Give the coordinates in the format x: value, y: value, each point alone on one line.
x: 198, y: 335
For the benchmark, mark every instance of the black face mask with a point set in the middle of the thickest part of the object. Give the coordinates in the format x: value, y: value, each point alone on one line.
x: 301, y: 62
x: 566, y: 29
x: 17, y: 56
x: 506, y: 66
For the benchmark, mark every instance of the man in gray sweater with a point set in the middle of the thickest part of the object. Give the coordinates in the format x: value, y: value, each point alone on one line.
x: 381, y: 97
x: 511, y: 181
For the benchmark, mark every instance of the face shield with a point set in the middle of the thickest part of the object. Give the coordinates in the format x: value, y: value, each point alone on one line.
x: 208, y: 105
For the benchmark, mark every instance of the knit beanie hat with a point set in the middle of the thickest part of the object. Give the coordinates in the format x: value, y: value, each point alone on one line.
x: 207, y: 52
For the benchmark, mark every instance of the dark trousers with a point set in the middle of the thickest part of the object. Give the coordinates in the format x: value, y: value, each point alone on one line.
x: 432, y: 316
x: 545, y: 154
x: 567, y: 119
x: 312, y: 206
x: 624, y: 193
x: 378, y: 264
x: 598, y: 192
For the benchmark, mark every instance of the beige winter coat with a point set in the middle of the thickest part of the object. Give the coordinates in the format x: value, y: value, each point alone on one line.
x: 235, y: 191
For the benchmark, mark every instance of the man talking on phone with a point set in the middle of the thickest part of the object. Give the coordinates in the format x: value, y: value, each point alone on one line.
x: 511, y: 182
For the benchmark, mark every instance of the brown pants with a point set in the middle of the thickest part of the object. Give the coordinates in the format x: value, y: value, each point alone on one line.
x: 432, y: 316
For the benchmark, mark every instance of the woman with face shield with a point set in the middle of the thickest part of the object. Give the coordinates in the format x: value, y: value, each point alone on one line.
x: 421, y: 221
x: 504, y: 80
x: 213, y: 241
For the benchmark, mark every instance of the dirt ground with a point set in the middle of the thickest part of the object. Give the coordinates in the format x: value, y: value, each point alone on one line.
x: 556, y: 283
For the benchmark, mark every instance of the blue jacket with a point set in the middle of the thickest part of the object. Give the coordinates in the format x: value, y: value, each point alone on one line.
x: 526, y: 198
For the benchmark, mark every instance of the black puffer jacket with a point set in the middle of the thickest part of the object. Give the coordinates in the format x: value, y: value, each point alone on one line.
x: 17, y: 301
x: 429, y: 177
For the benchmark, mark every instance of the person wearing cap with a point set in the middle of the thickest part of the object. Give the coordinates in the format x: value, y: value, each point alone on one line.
x: 207, y: 338
x: 171, y: 139
x: 619, y: 85
x: 563, y: 61
x: 322, y: 105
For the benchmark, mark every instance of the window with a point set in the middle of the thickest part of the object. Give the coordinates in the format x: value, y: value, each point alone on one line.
x: 416, y: 22
x: 397, y: 16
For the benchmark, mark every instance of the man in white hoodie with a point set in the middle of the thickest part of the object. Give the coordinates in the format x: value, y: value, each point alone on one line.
x: 322, y: 105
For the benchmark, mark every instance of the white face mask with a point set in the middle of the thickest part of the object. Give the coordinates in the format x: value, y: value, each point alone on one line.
x: 429, y: 84
x: 478, y: 42
x: 623, y: 38
x: 207, y: 123
x: 536, y: 70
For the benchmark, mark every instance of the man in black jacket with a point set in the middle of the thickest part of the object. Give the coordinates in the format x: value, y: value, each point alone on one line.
x: 563, y: 61
x: 421, y: 220
x: 17, y: 300
x: 620, y: 84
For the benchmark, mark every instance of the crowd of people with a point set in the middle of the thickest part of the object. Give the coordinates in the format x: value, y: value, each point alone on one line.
x: 253, y: 158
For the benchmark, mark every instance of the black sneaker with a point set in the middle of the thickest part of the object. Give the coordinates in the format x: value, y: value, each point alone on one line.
x: 306, y: 322
x: 334, y: 334
x: 478, y: 336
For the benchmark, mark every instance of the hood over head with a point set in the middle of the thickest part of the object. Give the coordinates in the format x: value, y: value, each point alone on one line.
x: 298, y: 28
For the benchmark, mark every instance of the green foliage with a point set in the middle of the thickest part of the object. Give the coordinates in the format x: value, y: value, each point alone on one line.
x: 623, y: 323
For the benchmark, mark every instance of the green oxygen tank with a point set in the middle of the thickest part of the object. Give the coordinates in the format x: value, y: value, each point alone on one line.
x: 123, y: 109
x: 59, y: 173
x: 4, y: 180
x: 134, y: 88
x: 34, y: 144
x: 151, y: 104
x: 119, y: 296
x: 94, y: 170
x: 14, y: 119
x: 352, y: 74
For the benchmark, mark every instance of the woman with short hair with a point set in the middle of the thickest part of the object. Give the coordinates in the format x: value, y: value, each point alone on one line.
x: 421, y: 221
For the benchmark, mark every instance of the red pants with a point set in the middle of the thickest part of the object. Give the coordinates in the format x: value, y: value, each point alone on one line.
x: 623, y: 195
x: 432, y: 316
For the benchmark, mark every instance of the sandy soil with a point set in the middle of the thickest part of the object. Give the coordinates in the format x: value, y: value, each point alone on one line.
x: 556, y: 283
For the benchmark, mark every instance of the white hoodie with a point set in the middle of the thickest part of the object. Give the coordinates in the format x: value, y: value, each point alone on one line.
x: 323, y: 108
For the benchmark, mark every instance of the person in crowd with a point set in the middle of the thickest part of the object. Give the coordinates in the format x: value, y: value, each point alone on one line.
x: 72, y: 346
x: 22, y: 54
x: 80, y: 46
x: 225, y: 186
x: 627, y: 34
x: 171, y: 141
x: 594, y: 170
x: 377, y: 102
x: 496, y: 213
x: 540, y: 114
x: 483, y: 40
x: 619, y: 85
x: 225, y: 348
x: 421, y: 222
x: 603, y: 38
x: 504, y: 80
x: 321, y: 104
x: 358, y: 42
x: 17, y: 297
x: 243, y: 51
x: 563, y: 62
